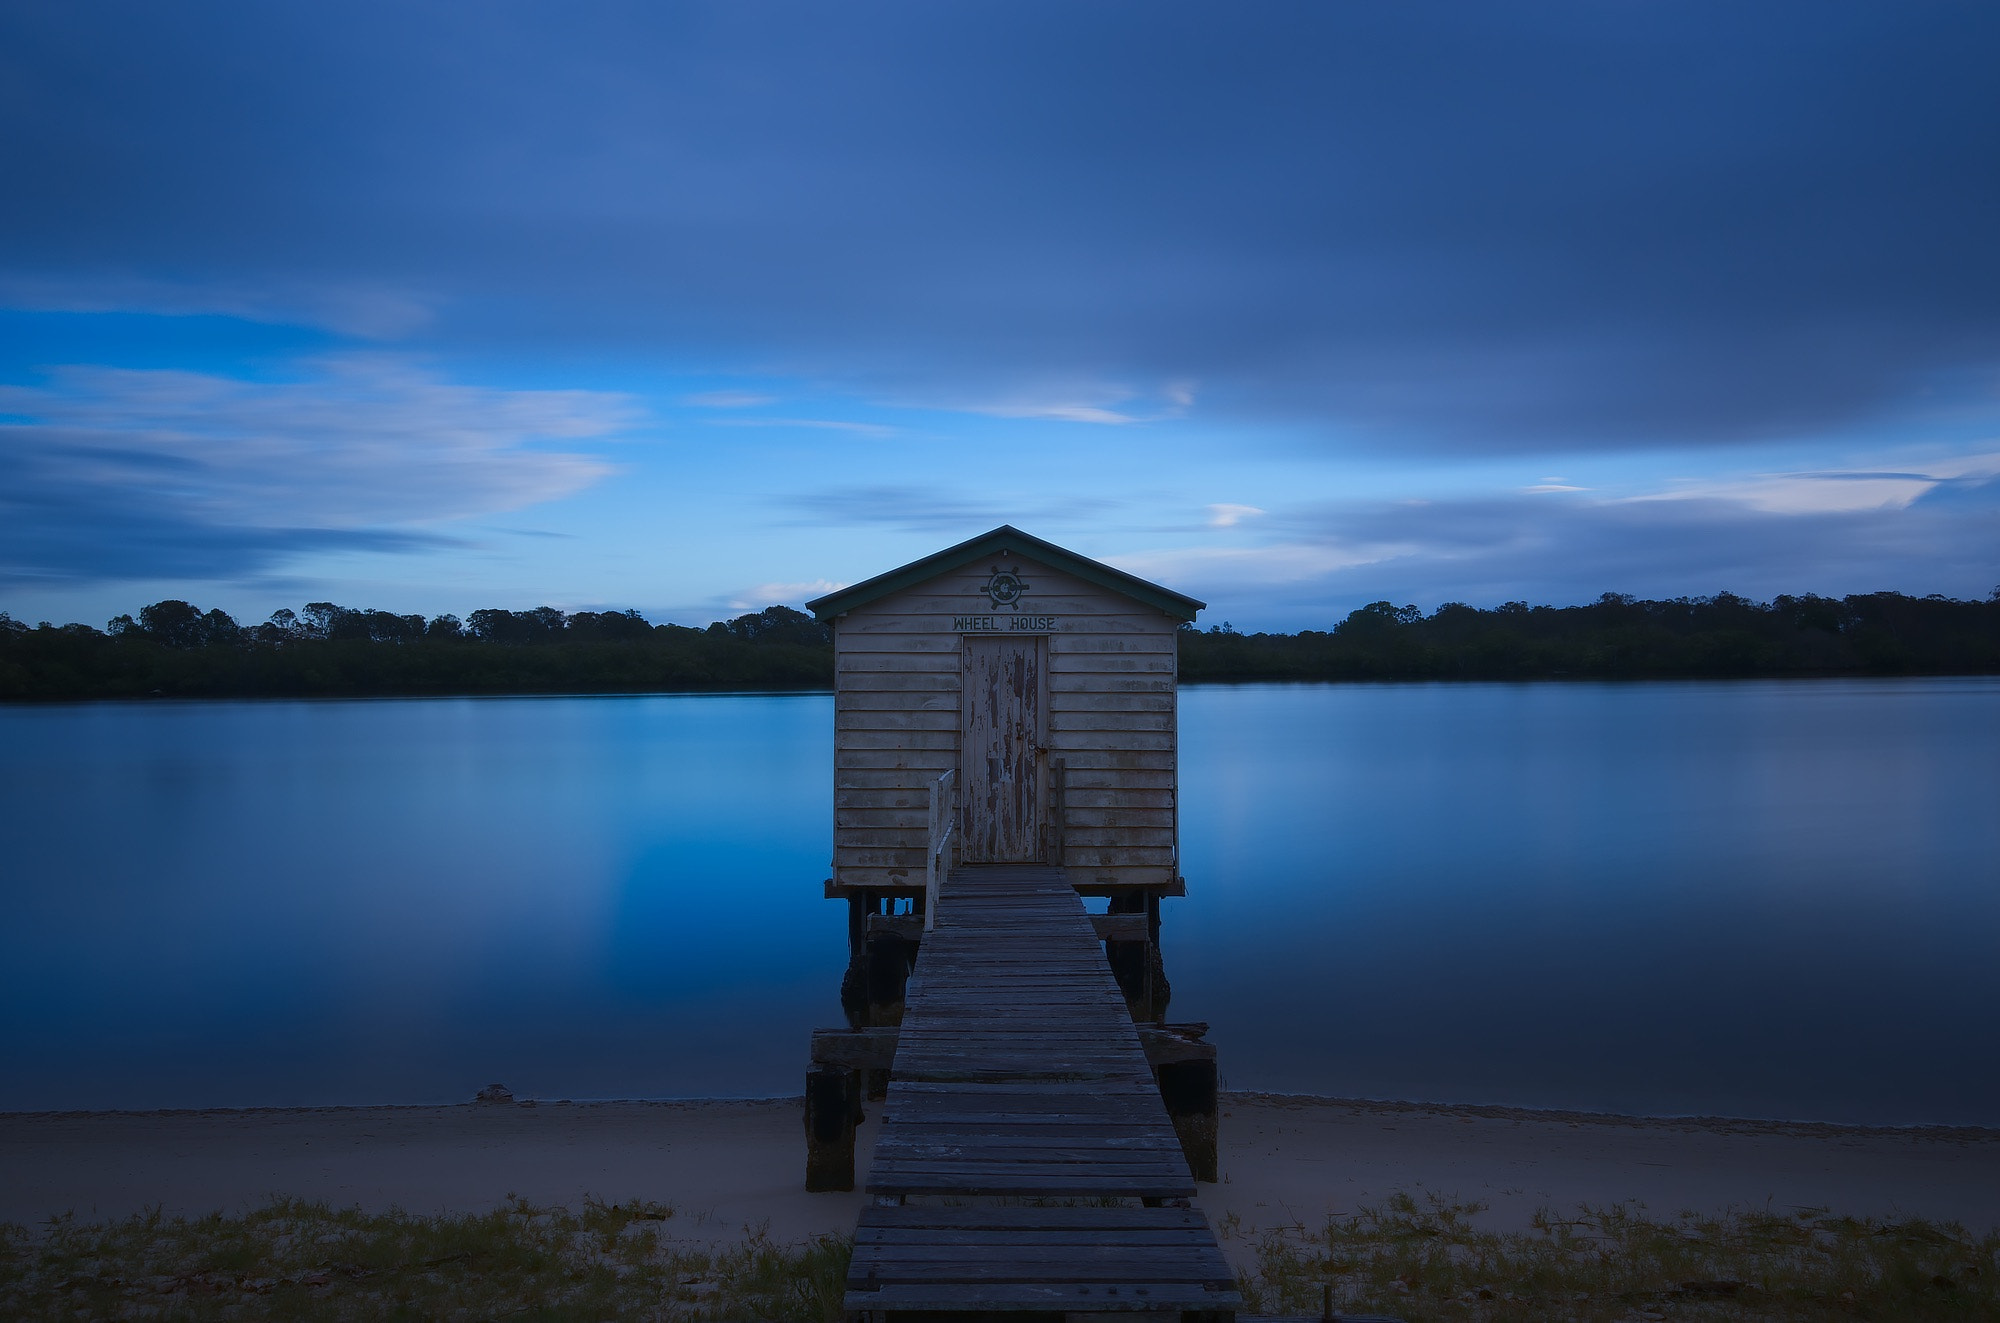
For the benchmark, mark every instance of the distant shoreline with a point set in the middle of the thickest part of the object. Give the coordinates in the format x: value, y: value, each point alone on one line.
x: 1247, y: 1097
x: 176, y: 651
x: 729, y: 1166
x: 155, y: 700
x: 1749, y: 1125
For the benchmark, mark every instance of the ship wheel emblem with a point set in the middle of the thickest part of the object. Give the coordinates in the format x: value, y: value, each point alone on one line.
x: 1005, y: 588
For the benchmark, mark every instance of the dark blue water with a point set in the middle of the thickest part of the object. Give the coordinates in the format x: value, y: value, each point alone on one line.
x: 1772, y: 899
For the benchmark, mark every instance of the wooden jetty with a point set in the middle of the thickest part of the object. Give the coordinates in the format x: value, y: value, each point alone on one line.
x: 1018, y: 1070
x: 1004, y: 745
x: 1019, y: 1075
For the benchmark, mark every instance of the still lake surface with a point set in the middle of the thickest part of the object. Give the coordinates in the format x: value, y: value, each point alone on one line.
x: 1767, y: 898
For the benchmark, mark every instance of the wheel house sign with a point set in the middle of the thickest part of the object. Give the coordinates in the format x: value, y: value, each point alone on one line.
x: 1005, y: 588
x: 1004, y: 700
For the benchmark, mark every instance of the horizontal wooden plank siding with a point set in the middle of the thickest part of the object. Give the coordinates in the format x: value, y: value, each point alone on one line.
x: 1130, y: 723
x: 1083, y: 755
x: 1120, y: 817
x: 927, y: 716
x: 1111, y: 718
x: 887, y: 663
x: 1096, y: 699
x: 858, y: 645
x: 871, y: 698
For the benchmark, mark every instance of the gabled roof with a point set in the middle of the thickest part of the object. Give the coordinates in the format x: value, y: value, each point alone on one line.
x: 1005, y: 540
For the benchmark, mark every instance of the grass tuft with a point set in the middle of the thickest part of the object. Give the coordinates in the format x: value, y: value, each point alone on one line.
x: 297, y: 1259
x: 1420, y: 1261
x: 1429, y: 1261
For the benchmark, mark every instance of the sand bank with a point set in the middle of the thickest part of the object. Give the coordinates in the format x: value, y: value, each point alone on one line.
x: 728, y: 1167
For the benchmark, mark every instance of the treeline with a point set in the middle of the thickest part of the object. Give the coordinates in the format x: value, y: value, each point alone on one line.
x: 174, y: 649
x: 1619, y: 637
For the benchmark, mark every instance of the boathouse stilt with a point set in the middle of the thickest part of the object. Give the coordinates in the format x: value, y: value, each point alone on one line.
x: 1188, y: 1088
x: 833, y: 1109
x: 1136, y: 962
x: 879, y: 961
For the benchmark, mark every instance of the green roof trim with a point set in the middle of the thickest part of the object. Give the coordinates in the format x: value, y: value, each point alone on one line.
x: 1005, y: 540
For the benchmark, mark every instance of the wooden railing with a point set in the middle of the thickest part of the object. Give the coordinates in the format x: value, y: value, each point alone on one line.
x: 944, y: 820
x: 1058, y: 810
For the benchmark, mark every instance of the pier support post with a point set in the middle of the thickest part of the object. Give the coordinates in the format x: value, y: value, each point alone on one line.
x: 1141, y: 974
x: 833, y: 1109
x: 1189, y: 1090
x: 871, y: 992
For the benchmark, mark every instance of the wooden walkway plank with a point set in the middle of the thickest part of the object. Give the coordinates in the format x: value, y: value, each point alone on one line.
x: 1018, y: 1072
x: 1079, y: 1260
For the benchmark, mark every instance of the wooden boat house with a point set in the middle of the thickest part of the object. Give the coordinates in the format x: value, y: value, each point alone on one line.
x: 1002, y: 702
x: 1040, y: 682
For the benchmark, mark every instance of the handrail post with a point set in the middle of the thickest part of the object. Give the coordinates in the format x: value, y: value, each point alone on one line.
x: 1058, y: 811
x: 931, y: 862
x: 943, y: 817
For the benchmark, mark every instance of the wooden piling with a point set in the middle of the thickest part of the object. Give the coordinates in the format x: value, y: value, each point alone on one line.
x: 833, y: 1110
x: 1188, y: 1088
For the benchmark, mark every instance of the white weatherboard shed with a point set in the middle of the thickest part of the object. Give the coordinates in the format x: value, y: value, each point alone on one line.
x: 1043, y: 681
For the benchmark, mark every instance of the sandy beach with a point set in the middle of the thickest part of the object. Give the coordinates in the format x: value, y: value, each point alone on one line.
x: 728, y: 1167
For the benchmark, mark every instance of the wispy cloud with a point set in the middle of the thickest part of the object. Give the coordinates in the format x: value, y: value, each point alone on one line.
x: 1275, y: 564
x: 728, y: 399
x: 1321, y: 561
x: 915, y: 508
x: 782, y: 594
x: 765, y: 192
x: 1832, y: 491
x: 1099, y: 403
x: 1061, y: 411
x: 363, y: 309
x: 1228, y: 516
x: 106, y: 468
x: 876, y: 431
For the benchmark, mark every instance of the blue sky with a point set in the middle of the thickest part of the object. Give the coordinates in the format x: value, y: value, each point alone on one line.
x: 699, y: 308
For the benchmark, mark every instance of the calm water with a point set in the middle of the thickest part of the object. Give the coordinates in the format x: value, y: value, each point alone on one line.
x: 1767, y: 898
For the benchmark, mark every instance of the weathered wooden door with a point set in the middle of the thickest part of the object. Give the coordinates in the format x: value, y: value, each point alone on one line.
x: 1003, y: 725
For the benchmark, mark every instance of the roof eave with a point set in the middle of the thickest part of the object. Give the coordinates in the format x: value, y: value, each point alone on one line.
x: 1005, y: 538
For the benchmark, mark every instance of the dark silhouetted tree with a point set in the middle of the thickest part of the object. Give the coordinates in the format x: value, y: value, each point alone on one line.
x: 173, y: 623
x: 775, y: 624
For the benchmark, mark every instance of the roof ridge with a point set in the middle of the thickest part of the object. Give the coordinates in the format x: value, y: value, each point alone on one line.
x: 1004, y: 539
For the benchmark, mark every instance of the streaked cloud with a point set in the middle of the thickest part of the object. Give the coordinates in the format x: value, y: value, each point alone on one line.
x: 1348, y: 222
x: 348, y: 307
x: 1228, y: 516
x: 728, y: 399
x: 102, y: 465
x: 1326, y: 559
x: 1078, y: 268
x: 1099, y: 403
x: 878, y: 431
x: 1833, y: 491
x: 929, y: 510
x: 1247, y: 570
x: 782, y: 594
x: 1057, y: 411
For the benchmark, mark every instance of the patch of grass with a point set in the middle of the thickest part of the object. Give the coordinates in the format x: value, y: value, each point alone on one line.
x: 300, y: 1260
x: 1430, y: 1262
